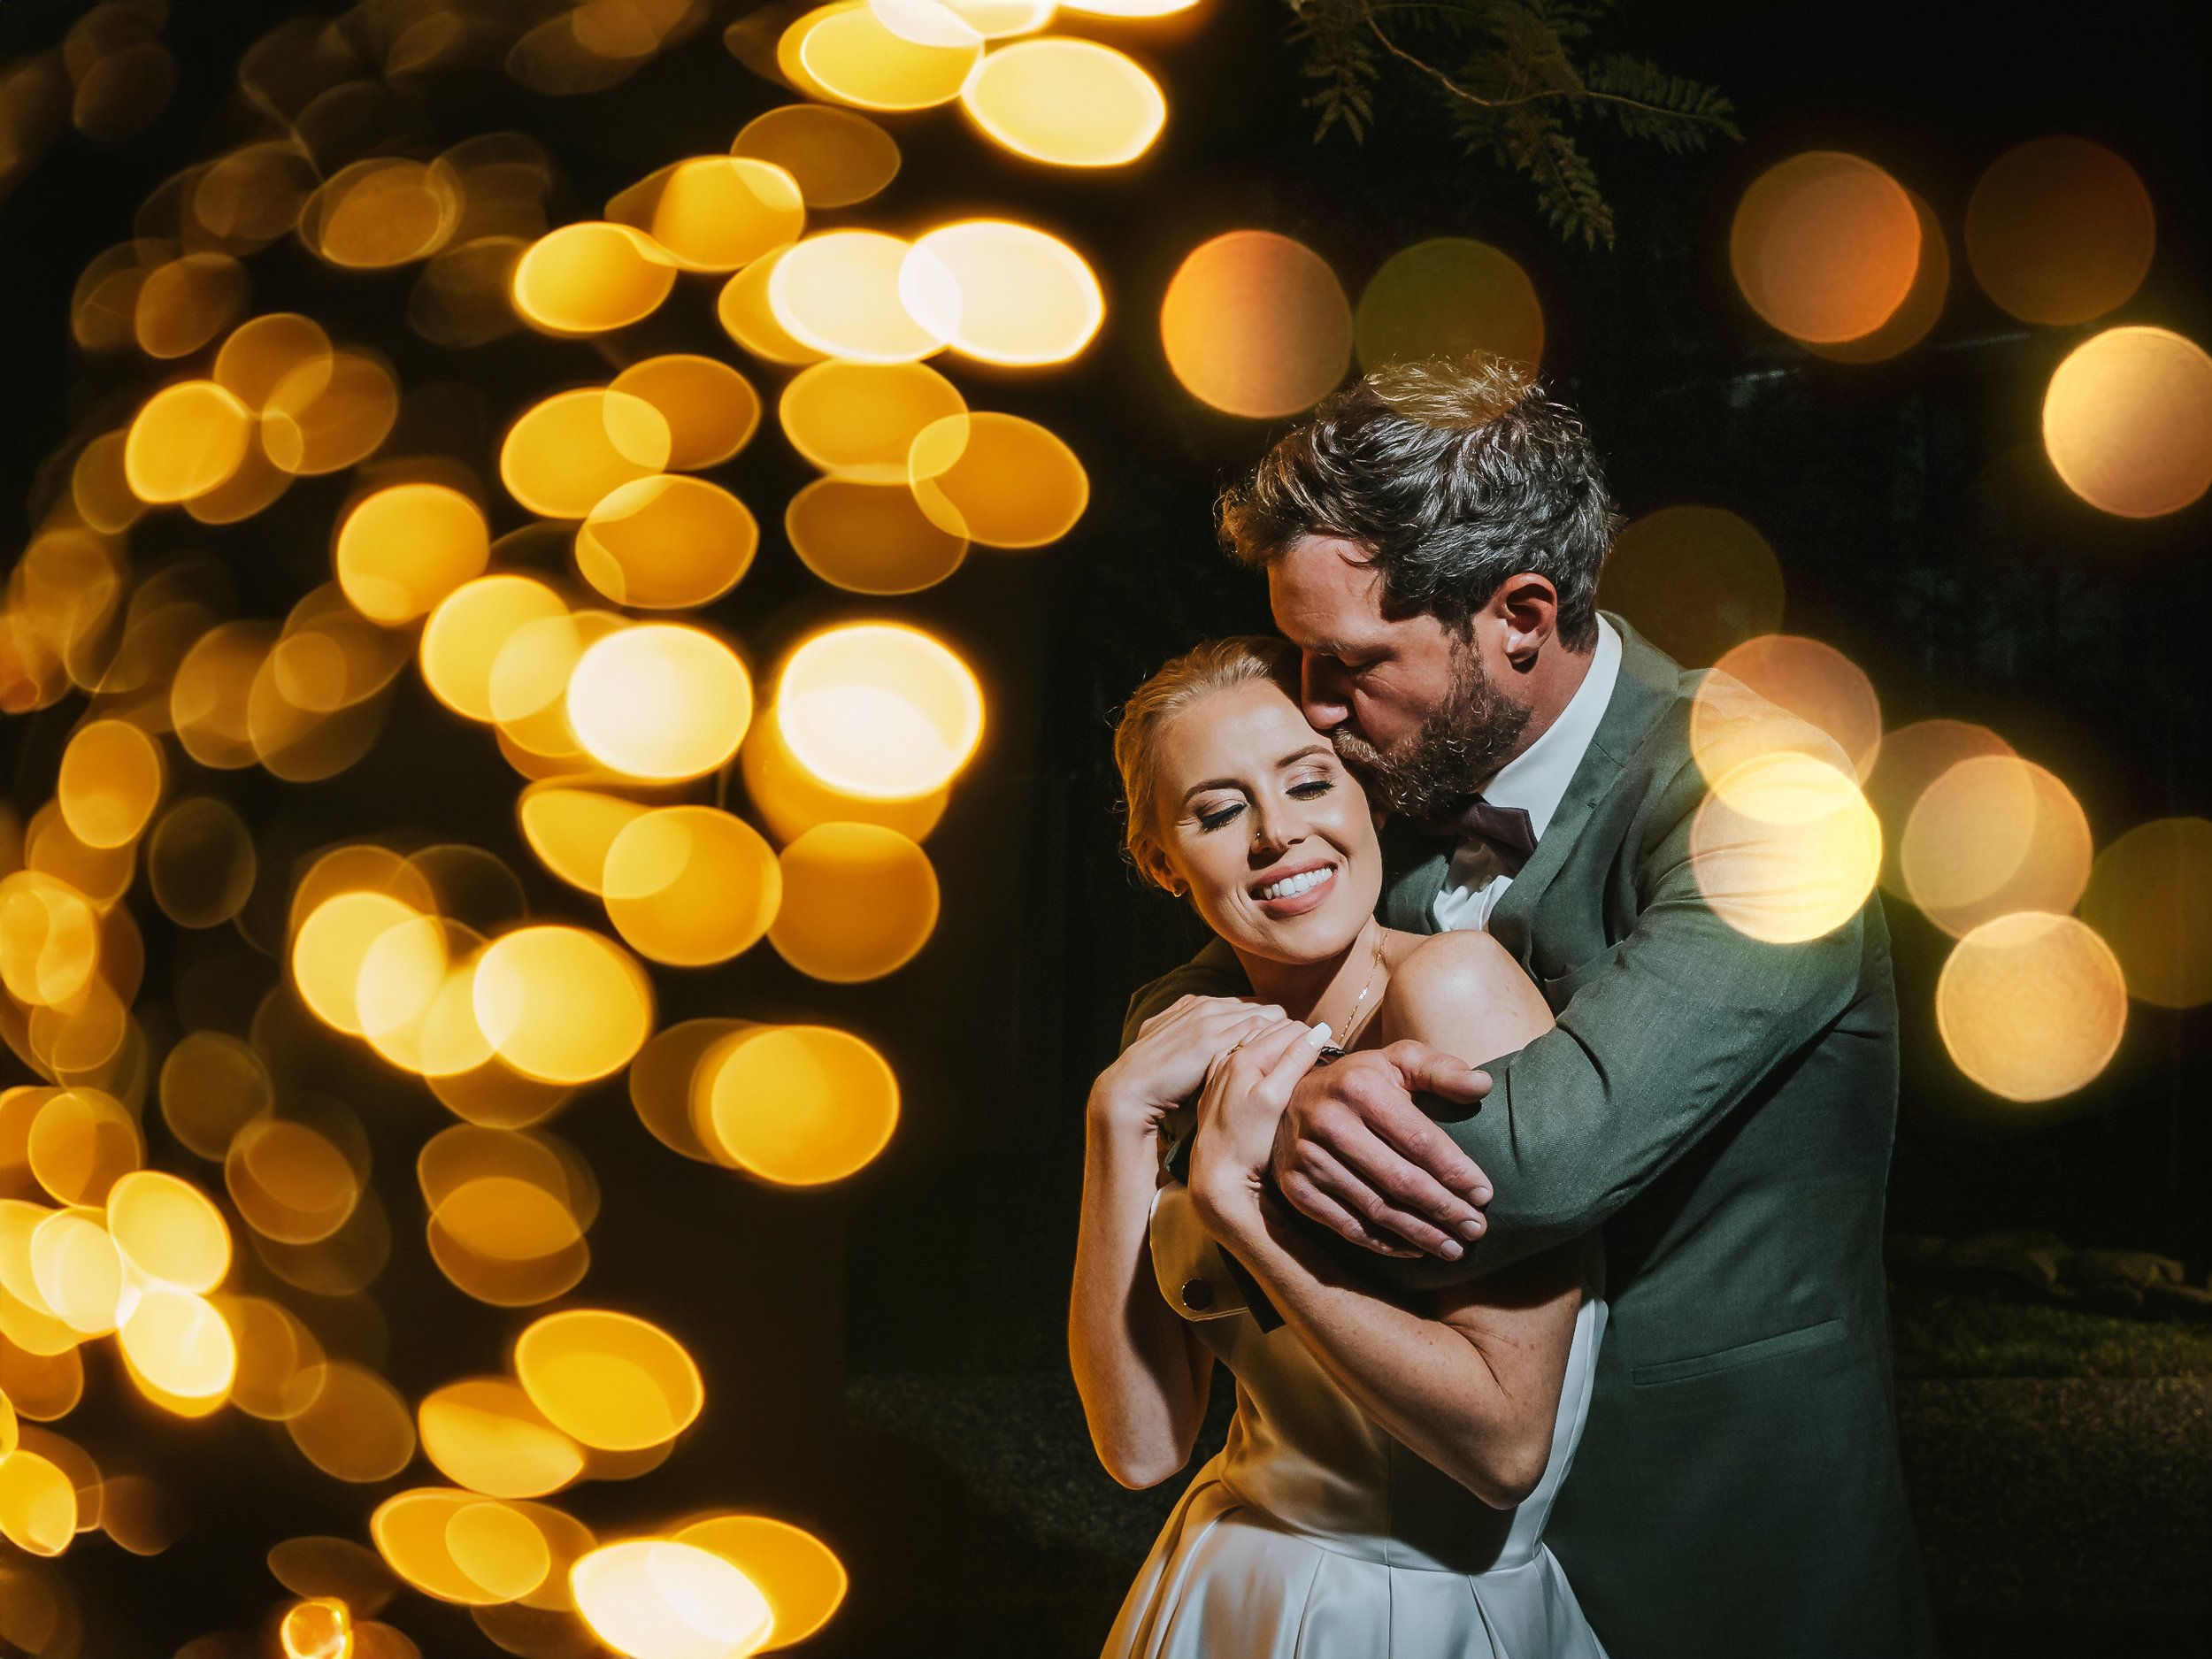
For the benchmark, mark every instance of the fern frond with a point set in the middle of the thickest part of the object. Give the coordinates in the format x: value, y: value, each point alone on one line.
x: 1566, y: 184
x: 1341, y: 57
x: 1679, y: 115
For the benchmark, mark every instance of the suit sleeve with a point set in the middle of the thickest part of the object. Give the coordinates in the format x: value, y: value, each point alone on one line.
x: 1213, y: 972
x: 1661, y: 1038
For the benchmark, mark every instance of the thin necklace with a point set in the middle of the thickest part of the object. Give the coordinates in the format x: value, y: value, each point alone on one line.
x: 1341, y: 1043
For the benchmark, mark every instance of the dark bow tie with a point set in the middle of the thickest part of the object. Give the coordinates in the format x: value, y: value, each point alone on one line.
x: 1509, y: 831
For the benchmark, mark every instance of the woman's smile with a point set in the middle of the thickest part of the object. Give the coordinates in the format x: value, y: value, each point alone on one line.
x: 1301, y: 887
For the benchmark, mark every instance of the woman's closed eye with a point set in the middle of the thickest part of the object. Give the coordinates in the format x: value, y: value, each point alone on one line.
x: 1312, y: 789
x: 1213, y: 817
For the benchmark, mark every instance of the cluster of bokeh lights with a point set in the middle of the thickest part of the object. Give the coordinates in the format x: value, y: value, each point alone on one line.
x: 697, y: 803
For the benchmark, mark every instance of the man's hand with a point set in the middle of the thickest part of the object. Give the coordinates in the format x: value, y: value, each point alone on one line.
x: 1354, y: 1153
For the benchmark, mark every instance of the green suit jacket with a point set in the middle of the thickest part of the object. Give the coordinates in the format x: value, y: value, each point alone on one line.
x: 1724, y: 1109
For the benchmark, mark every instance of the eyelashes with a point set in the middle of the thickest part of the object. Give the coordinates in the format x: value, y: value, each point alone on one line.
x: 1310, y: 789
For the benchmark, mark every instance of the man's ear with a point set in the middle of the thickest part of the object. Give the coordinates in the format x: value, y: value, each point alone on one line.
x: 1527, y: 605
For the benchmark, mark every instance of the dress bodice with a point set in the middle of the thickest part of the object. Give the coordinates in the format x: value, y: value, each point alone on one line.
x: 1301, y: 1450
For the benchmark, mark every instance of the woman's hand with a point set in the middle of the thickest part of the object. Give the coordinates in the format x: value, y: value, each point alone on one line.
x: 1246, y: 1091
x: 1169, y: 1060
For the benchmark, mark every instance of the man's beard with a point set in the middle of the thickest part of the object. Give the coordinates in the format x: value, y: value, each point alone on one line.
x: 1456, y: 750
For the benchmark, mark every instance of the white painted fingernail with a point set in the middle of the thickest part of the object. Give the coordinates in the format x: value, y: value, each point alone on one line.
x: 1318, y: 1037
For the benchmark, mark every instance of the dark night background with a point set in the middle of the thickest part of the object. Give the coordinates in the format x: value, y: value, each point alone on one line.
x: 885, y: 1361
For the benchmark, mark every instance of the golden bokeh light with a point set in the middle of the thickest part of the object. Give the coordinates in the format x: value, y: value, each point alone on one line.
x: 859, y: 902
x: 401, y: 549
x: 667, y: 543
x: 2128, y: 421
x: 1914, y: 756
x: 714, y: 212
x: 41, y: 1388
x: 798, y: 1105
x: 870, y: 538
x: 1070, y: 103
x: 499, y: 1548
x: 2060, y: 230
x: 1916, y: 314
x: 1697, y: 581
x: 1825, y: 246
x: 187, y: 302
x: 77, y: 1272
x: 190, y: 439
x: 1785, y: 849
x: 710, y: 409
x: 591, y: 277
x: 331, y: 947
x: 317, y: 1629
x: 38, y: 1504
x: 878, y: 710
x: 210, y: 698
x: 483, y: 1433
x: 570, y: 828
x: 111, y: 781
x: 49, y: 938
x: 1802, y: 697
x: 609, y: 1380
x: 746, y: 314
x: 1994, y: 834
x: 334, y: 1569
x: 652, y: 1599
x: 1448, y: 297
x: 81, y: 1142
x: 291, y: 1181
x: 998, y: 479
x: 837, y: 157
x: 837, y: 293
x: 169, y: 1230
x: 1002, y: 292
x: 846, y: 53
x: 660, y: 700
x: 466, y: 633
x: 1256, y: 325
x: 562, y: 1005
x: 691, y: 885
x: 381, y: 211
x: 213, y: 1085
x: 567, y: 452
x: 859, y: 421
x: 791, y: 800
x: 261, y: 354
x: 412, y: 1533
x: 2150, y: 898
x: 99, y: 487
x: 323, y: 417
x: 179, y: 1343
x: 357, y: 1428
x: 2031, y: 1006
x: 802, y: 1577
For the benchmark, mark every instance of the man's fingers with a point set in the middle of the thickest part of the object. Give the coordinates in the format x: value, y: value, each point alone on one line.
x: 1439, y: 1166
x: 1311, y: 1202
x: 1360, y: 1198
x: 1433, y: 1072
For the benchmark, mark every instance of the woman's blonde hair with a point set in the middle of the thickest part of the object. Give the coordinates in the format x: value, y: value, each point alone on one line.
x: 1243, y: 659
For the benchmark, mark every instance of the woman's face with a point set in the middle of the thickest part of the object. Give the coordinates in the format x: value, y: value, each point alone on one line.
x: 1262, y: 823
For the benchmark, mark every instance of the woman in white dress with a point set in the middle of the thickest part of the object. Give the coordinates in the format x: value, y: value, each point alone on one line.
x: 1383, y: 1491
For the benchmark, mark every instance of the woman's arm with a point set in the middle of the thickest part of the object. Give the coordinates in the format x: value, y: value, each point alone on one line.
x: 1474, y: 1388
x: 1142, y: 1375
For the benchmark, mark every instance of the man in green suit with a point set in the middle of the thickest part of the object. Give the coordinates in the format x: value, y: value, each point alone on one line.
x: 1722, y: 1107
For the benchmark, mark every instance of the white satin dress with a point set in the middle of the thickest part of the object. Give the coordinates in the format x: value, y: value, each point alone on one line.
x: 1313, y: 1534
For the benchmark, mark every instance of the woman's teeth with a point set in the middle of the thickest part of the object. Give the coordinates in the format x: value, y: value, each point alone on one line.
x: 1291, y: 886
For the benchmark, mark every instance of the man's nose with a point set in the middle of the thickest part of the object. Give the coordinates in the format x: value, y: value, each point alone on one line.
x: 1325, y: 688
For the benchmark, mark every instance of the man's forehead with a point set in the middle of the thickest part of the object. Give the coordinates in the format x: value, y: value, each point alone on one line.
x: 1325, y: 592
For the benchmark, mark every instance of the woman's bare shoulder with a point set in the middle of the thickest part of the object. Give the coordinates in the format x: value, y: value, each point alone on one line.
x: 1463, y: 987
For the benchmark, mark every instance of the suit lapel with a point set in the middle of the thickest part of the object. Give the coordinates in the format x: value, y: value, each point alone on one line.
x: 1648, y: 681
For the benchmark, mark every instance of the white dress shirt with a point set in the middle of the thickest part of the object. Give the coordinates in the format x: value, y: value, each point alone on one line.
x: 1533, y: 781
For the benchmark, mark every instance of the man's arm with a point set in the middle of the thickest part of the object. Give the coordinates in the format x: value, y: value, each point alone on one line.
x: 1662, y: 1038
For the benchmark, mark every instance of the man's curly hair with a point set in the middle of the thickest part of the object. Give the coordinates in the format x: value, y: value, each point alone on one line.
x: 1453, y: 473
